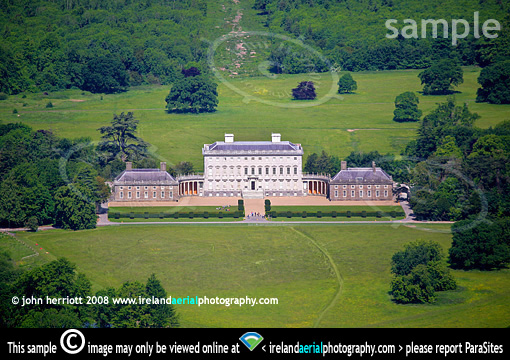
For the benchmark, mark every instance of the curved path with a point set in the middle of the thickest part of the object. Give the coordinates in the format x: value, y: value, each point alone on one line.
x: 338, y: 276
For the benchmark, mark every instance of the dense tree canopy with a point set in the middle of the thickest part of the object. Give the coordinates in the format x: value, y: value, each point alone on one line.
x: 60, y: 279
x: 419, y: 271
x: 99, y: 46
x: 304, y: 91
x: 440, y: 78
x: 406, y: 107
x: 480, y: 246
x: 193, y: 94
x: 495, y: 82
x: 349, y: 32
x: 346, y: 84
x: 120, y: 139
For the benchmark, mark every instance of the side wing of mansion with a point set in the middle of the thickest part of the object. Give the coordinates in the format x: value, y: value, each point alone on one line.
x: 252, y: 169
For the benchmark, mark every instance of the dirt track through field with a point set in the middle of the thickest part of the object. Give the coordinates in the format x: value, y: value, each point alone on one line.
x: 339, y: 277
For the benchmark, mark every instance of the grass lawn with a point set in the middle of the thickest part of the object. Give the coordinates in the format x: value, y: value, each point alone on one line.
x: 328, y: 275
x: 323, y: 127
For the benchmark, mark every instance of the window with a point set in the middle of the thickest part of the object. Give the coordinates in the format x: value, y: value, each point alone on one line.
x: 274, y: 171
x: 345, y: 186
x: 154, y: 188
x: 288, y: 171
x: 353, y: 187
x: 253, y: 171
x: 129, y: 194
x: 146, y: 194
x: 345, y: 193
x: 245, y: 171
x: 154, y: 195
x: 361, y: 186
x: 369, y: 186
x: 267, y: 171
x: 361, y: 193
x: 138, y: 194
x: 121, y: 187
x: 377, y: 193
x: 260, y: 171
x: 295, y: 171
x: 385, y: 186
x: 121, y: 194
x: 377, y: 186
x: 138, y: 188
x: 162, y: 194
x: 336, y: 193
x: 129, y: 187
x: 353, y: 193
x: 171, y: 194
x: 385, y: 193
x: 281, y: 171
x: 145, y: 187
x: 336, y: 186
x: 210, y: 171
x: 369, y: 193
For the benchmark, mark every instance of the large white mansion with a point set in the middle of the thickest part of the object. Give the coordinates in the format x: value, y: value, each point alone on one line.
x: 252, y: 169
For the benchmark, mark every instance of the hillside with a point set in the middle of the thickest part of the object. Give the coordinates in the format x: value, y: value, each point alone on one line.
x: 107, y: 46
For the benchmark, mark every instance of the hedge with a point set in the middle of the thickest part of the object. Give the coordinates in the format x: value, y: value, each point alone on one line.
x: 334, y: 214
x: 238, y: 214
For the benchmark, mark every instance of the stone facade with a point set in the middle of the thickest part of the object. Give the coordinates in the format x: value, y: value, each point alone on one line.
x: 136, y: 185
x: 361, y: 184
x: 253, y: 169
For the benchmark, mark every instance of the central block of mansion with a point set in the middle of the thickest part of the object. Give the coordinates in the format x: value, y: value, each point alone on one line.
x: 252, y: 169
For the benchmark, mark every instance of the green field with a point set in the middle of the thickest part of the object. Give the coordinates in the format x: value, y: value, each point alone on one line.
x: 326, y: 276
x: 178, y: 137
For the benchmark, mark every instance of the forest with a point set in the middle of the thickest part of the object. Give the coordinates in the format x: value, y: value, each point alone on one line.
x: 107, y: 46
x: 352, y: 33
x: 102, y: 46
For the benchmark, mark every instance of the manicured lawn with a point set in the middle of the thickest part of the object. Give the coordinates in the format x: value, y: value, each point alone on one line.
x: 179, y: 137
x: 295, y: 264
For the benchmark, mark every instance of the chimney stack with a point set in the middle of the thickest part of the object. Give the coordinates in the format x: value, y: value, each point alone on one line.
x: 373, y: 166
x: 343, y: 165
x: 229, y: 138
x: 275, y: 137
x: 129, y: 165
x: 162, y: 166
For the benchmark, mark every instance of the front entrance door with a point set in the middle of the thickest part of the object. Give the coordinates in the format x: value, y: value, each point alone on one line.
x: 253, y: 185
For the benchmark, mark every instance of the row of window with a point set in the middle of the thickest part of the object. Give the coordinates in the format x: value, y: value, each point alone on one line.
x: 146, y: 195
x: 144, y: 187
x: 361, y: 186
x: 369, y: 193
x: 260, y: 171
x: 259, y: 185
x: 266, y: 158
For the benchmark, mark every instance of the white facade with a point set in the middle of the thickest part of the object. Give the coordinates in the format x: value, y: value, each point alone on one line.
x: 253, y: 168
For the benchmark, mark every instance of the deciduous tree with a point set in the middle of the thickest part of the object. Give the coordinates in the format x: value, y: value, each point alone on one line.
x: 440, y: 78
